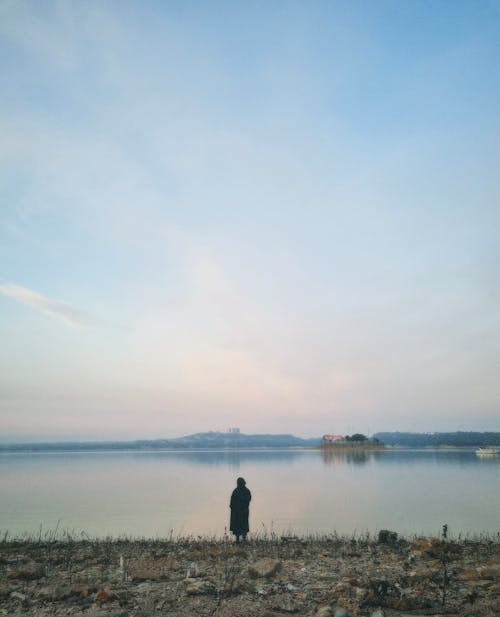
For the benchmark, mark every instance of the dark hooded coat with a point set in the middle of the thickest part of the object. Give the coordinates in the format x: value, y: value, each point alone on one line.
x: 240, y: 501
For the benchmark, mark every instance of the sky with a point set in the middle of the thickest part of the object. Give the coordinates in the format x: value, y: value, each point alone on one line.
x: 280, y: 216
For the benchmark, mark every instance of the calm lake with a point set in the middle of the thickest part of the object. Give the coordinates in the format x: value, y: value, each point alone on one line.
x: 159, y: 493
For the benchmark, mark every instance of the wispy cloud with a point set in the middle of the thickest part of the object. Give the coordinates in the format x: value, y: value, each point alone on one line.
x: 56, y: 308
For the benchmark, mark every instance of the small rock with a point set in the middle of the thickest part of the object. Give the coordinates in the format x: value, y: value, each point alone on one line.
x: 324, y: 611
x: 387, y: 537
x: 198, y: 587
x: 378, y: 613
x: 285, y: 604
x: 361, y: 593
x: 16, y: 595
x: 144, y: 588
x: 341, y: 612
x: 264, y: 568
x: 102, y: 596
x: 192, y: 571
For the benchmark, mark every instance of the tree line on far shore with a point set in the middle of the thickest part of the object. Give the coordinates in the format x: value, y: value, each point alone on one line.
x: 459, y: 438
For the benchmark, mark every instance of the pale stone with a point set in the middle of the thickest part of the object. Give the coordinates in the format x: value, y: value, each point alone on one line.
x: 264, y: 568
x: 16, y: 595
x: 197, y: 587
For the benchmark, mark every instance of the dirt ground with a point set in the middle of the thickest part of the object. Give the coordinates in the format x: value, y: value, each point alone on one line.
x: 334, y: 577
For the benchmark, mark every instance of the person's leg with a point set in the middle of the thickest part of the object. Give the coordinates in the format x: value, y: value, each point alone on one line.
x: 237, y: 538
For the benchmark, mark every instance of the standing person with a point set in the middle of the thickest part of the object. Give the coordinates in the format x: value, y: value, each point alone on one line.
x: 240, y: 501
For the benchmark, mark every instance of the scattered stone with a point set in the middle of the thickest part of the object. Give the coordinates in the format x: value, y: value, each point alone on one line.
x: 264, y: 568
x: 325, y: 579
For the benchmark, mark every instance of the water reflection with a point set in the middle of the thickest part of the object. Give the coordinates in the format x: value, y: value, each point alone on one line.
x: 353, y: 457
x: 229, y: 459
x: 149, y: 493
x: 439, y: 456
x: 234, y: 459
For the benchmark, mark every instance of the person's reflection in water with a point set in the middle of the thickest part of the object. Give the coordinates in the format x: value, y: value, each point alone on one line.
x: 240, y: 501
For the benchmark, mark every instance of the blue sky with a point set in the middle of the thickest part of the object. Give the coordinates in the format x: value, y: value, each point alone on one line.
x: 281, y: 216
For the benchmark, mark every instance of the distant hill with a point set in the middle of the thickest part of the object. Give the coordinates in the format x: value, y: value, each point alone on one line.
x: 459, y: 438
x: 196, y: 441
x: 240, y: 440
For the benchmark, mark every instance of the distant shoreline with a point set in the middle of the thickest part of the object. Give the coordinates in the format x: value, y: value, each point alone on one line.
x: 179, y: 450
x: 211, y: 441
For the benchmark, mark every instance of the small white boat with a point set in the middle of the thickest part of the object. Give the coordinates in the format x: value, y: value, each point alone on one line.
x: 486, y: 452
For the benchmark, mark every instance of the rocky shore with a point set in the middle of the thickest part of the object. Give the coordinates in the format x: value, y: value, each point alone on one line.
x: 314, y: 577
